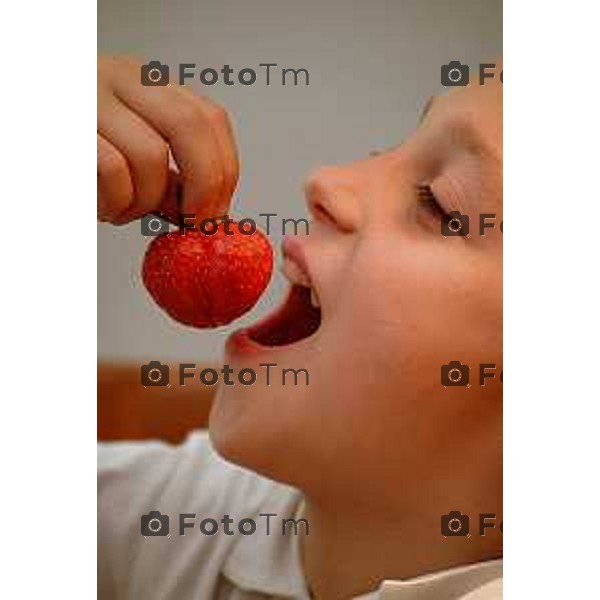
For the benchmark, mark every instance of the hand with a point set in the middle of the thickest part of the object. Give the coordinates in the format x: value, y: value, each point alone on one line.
x: 139, y: 127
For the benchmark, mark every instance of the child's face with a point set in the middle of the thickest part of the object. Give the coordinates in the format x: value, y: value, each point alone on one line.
x: 398, y: 301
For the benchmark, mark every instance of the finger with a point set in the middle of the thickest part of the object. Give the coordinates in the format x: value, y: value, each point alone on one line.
x: 230, y: 161
x: 171, y: 204
x: 146, y: 152
x: 204, y: 151
x: 115, y: 189
x: 200, y: 136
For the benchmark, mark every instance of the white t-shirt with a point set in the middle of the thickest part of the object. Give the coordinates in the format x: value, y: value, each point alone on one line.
x: 136, y: 478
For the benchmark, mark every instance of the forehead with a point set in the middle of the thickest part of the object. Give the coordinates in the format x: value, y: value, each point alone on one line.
x: 473, y: 112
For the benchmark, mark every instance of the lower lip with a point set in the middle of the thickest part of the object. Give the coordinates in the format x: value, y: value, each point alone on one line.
x: 241, y: 344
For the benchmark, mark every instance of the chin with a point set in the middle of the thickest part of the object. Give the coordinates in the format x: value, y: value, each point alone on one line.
x: 260, y: 426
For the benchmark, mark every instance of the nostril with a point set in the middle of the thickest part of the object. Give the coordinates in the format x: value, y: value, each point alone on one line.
x: 316, y: 191
x: 329, y: 199
x: 320, y: 212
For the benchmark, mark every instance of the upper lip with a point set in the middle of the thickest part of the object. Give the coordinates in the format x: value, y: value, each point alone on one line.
x: 294, y: 252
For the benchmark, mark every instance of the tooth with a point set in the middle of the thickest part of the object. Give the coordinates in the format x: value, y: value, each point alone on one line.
x: 314, y: 299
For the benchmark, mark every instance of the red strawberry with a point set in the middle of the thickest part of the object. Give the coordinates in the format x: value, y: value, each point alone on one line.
x: 207, y: 280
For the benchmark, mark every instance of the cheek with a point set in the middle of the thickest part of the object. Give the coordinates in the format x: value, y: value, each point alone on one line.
x: 414, y: 303
x: 448, y: 289
x: 458, y: 300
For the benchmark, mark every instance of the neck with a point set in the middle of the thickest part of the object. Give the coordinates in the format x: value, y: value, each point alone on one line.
x: 351, y: 550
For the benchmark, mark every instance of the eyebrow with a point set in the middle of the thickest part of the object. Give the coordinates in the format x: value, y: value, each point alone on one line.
x: 464, y: 133
x: 462, y: 130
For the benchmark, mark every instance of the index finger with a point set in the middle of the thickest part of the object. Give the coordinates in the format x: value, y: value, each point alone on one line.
x: 200, y: 136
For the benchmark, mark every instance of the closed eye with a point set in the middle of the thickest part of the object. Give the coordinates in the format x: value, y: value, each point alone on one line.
x: 429, y: 200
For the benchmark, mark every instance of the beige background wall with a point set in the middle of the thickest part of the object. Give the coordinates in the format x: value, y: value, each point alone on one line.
x: 372, y: 64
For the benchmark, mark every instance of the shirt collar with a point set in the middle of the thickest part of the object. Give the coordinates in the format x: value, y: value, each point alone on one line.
x: 442, y: 585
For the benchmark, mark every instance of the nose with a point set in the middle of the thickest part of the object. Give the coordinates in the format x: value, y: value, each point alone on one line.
x: 333, y: 194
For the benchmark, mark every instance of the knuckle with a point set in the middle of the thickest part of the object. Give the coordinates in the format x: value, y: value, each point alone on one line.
x: 115, y: 202
x: 146, y: 153
x: 155, y: 154
x: 196, y: 113
x: 189, y: 114
x: 217, y: 115
x: 111, y: 164
x: 122, y: 202
x: 149, y: 163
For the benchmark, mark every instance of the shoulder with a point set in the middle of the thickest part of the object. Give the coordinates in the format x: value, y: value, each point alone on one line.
x: 168, y: 473
x: 191, y: 479
x: 188, y: 475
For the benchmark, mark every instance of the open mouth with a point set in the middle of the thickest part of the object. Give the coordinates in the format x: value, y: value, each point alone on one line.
x: 295, y: 320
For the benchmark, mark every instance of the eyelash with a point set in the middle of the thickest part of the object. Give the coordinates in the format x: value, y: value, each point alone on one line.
x: 429, y: 199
